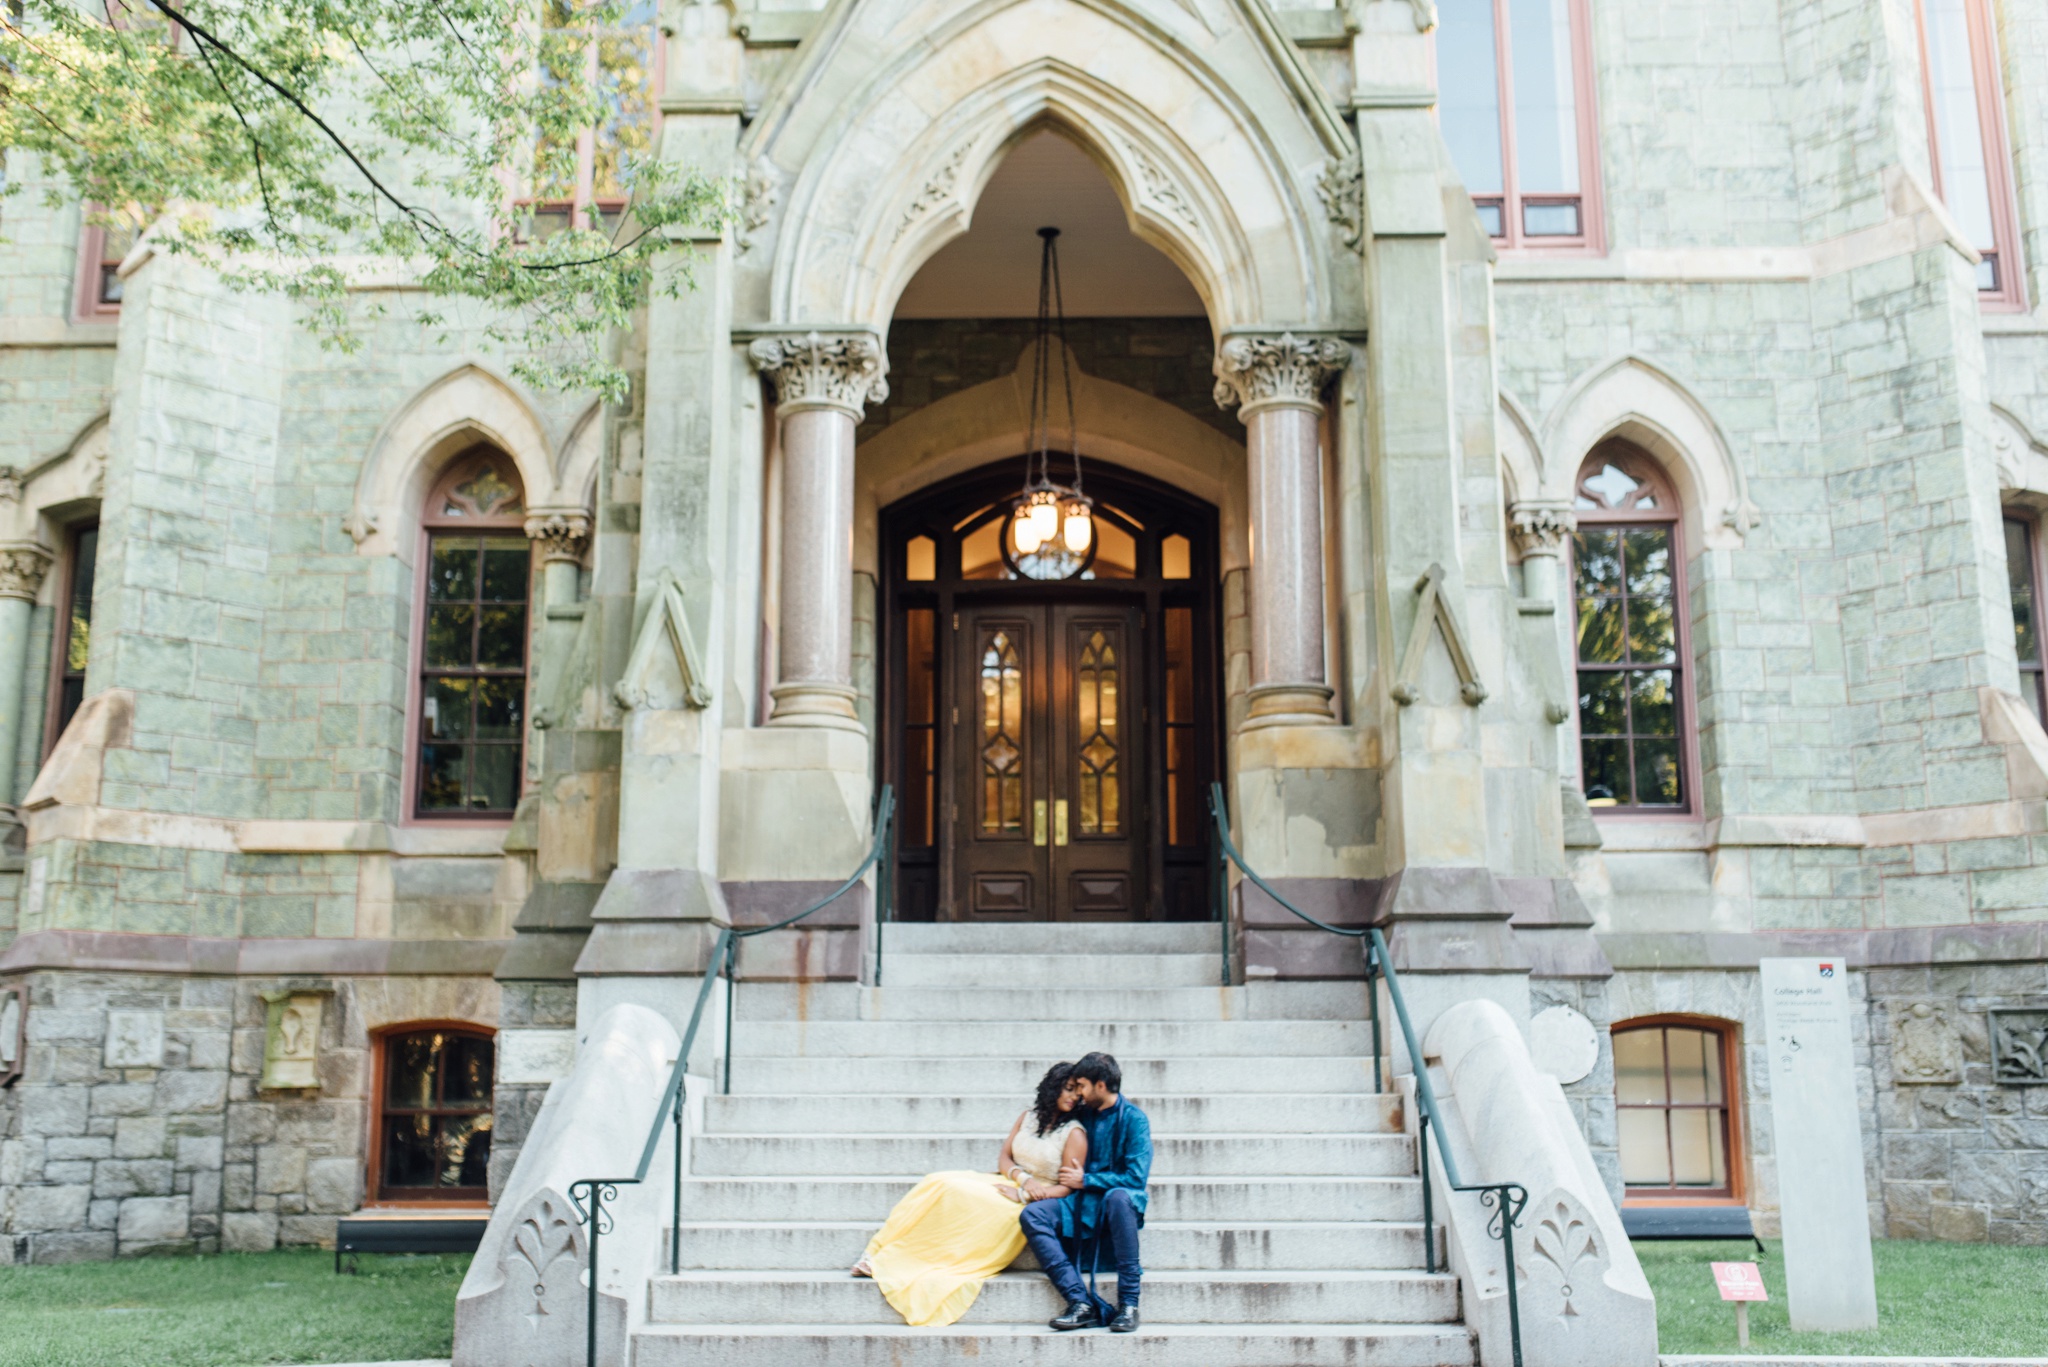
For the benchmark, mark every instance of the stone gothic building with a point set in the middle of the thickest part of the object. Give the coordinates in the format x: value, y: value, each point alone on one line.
x: 1568, y: 470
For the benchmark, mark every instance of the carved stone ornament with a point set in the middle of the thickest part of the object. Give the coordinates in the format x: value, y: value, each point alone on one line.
x: 843, y: 370
x: 1160, y: 189
x: 561, y: 533
x: 757, y: 204
x: 10, y: 484
x: 1926, y: 1046
x: 936, y: 190
x: 1542, y: 528
x: 22, y: 567
x: 2019, y: 1048
x: 1342, y: 188
x: 291, y: 1038
x: 1563, y: 1261
x: 1276, y: 369
x: 361, y: 525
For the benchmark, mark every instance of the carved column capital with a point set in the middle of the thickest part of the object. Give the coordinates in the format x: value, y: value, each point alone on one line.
x: 1541, y: 526
x: 1280, y: 369
x: 22, y: 567
x: 560, y: 532
x: 842, y: 370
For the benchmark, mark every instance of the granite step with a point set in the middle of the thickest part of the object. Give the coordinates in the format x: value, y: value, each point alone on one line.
x: 868, y: 1198
x: 1327, y: 1295
x: 1053, y: 970
x: 992, y: 1116
x: 1038, y: 1038
x: 1169, y: 1245
x: 1236, y: 1155
x: 1033, y: 1345
x: 903, y: 938
x: 1144, y: 1078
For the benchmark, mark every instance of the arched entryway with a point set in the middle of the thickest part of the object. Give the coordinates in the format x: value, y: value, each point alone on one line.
x: 1052, y: 725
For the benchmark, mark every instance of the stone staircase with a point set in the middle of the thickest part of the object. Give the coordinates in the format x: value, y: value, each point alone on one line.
x: 1285, y: 1224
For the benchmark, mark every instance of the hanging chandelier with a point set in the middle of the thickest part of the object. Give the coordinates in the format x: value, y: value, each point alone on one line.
x: 1052, y: 526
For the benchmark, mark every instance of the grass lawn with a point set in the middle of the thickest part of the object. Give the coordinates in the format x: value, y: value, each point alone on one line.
x: 1966, y: 1300
x: 234, y: 1310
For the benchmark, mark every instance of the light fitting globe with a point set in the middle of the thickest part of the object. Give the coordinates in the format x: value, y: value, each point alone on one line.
x: 1077, y: 525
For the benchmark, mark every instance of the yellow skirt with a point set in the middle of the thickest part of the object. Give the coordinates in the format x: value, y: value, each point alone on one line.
x: 953, y: 1232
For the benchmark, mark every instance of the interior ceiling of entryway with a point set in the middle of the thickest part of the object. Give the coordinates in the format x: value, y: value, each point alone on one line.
x: 1105, y: 272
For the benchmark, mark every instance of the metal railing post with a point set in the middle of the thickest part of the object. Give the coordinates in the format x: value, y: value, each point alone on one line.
x: 1379, y: 966
x: 599, y: 1190
x: 722, y: 962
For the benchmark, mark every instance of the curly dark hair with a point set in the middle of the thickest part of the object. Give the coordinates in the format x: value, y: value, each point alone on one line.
x: 1045, y: 1108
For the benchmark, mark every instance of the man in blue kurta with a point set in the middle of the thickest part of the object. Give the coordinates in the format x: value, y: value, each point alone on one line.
x: 1105, y: 1203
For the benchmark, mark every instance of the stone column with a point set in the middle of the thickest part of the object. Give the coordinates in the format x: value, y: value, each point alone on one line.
x: 1541, y: 527
x: 823, y: 384
x: 22, y: 567
x: 1276, y: 385
x: 559, y: 534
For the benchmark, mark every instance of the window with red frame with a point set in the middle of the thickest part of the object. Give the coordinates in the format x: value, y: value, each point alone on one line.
x: 433, y: 1135
x: 617, y: 51
x: 1672, y: 1090
x: 1966, y: 137
x: 2023, y: 578
x: 1514, y: 99
x: 472, y: 689
x: 1629, y: 596
x: 104, y: 241
x: 73, y: 638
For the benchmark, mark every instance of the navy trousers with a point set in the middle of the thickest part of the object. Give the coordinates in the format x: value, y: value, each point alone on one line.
x: 1118, y: 1231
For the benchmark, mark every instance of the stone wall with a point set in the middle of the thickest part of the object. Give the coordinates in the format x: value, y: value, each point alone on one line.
x: 1167, y: 358
x: 1963, y: 1151
x: 140, y: 1125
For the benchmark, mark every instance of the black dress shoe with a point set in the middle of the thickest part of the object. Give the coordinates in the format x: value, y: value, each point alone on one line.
x: 1126, y: 1321
x: 1079, y: 1315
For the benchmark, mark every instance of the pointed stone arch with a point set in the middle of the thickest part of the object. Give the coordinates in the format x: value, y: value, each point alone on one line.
x: 1632, y: 398
x: 466, y: 407
x: 1212, y: 136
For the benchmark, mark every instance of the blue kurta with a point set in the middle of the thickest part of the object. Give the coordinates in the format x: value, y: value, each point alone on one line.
x: 1119, y: 1155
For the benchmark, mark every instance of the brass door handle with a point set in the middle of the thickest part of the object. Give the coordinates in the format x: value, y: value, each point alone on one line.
x: 1038, y: 821
x: 1059, y: 822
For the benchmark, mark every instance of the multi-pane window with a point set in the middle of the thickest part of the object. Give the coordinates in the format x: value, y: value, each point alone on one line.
x: 2022, y: 577
x: 1966, y: 135
x: 1514, y: 100
x: 472, y: 712
x: 1671, y: 1094
x: 434, y: 1121
x: 1630, y: 633
x: 614, y: 49
x: 73, y: 639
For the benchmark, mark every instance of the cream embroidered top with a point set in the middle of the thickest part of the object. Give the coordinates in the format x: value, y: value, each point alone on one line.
x: 1039, y: 1154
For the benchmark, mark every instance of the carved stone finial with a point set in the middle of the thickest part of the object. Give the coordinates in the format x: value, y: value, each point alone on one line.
x: 1541, y: 527
x: 22, y: 567
x: 1254, y: 371
x: 561, y: 532
x: 837, y: 370
x: 1341, y: 186
x: 360, y: 525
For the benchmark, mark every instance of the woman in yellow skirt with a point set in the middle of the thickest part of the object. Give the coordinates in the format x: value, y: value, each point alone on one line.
x: 955, y: 1230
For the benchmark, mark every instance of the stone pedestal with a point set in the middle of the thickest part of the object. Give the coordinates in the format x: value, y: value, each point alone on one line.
x: 1276, y: 384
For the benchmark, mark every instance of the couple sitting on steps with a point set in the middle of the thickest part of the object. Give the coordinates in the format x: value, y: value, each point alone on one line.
x: 1077, y: 1162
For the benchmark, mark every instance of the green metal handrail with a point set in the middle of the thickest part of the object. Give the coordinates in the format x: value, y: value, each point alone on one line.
x: 722, y: 963
x: 1504, y: 1199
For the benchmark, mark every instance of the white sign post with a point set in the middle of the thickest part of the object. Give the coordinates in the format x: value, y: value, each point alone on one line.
x: 1818, y: 1136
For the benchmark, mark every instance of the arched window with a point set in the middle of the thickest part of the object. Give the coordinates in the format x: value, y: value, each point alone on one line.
x: 1628, y: 590
x: 476, y: 587
x: 432, y: 1136
x: 1675, y: 1089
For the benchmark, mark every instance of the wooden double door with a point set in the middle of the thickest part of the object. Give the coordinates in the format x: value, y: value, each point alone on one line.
x: 1049, y: 762
x: 1051, y: 724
